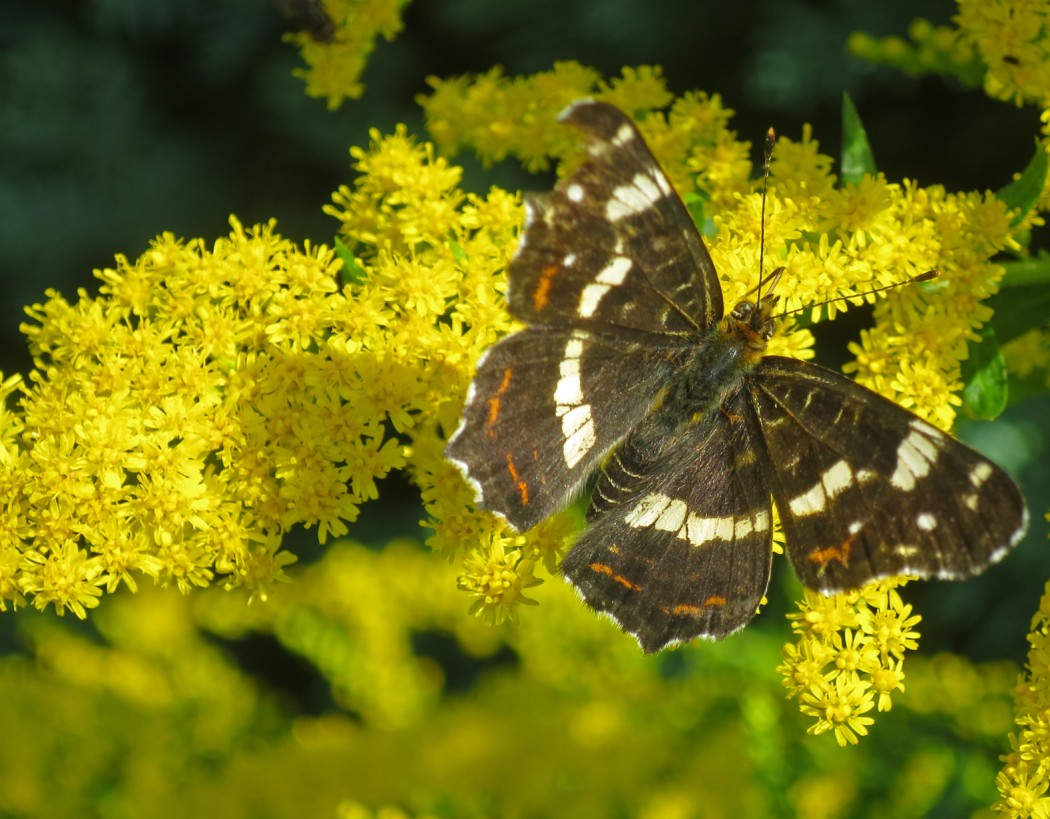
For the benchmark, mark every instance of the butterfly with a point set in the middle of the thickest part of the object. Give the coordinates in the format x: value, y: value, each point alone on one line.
x: 630, y: 368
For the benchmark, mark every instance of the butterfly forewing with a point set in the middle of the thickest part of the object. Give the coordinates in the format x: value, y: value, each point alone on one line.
x: 613, y: 244
x: 613, y: 277
x: 866, y: 489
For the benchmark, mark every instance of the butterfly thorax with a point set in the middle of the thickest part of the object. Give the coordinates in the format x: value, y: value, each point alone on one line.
x: 750, y: 326
x: 713, y: 366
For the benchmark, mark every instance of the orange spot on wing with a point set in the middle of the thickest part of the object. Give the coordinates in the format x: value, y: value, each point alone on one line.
x: 692, y: 610
x: 536, y: 460
x: 495, y: 402
x: 822, y: 557
x: 523, y: 486
x: 541, y: 296
x: 603, y: 568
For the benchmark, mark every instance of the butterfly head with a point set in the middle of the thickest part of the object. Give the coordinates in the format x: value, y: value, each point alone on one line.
x: 752, y: 321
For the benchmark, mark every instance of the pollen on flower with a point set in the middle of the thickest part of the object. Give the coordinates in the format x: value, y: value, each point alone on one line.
x: 839, y: 705
x: 498, y: 579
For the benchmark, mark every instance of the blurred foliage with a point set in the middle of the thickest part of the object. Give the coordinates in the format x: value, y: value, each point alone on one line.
x: 378, y: 691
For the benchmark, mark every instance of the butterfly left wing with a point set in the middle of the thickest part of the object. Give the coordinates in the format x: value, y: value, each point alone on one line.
x: 866, y: 489
x: 613, y: 281
x: 544, y: 408
x: 687, y: 552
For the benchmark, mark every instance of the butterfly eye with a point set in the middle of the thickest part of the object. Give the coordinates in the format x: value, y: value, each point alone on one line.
x: 743, y: 311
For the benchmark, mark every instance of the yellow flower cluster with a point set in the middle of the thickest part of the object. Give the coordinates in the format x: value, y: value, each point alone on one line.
x: 499, y: 116
x: 850, y: 649
x: 921, y: 333
x: 932, y: 50
x: 208, y: 400
x: 177, y: 424
x: 335, y: 66
x: 1013, y: 40
x: 1029, y: 355
x: 431, y: 262
x: 1024, y: 781
x: 1003, y: 45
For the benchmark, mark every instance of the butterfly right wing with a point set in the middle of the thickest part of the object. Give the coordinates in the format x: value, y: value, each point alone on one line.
x: 613, y: 245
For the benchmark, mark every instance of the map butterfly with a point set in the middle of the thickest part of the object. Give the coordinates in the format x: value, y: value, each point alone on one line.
x: 628, y: 366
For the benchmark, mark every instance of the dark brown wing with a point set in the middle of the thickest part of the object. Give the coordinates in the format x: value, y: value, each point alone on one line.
x: 866, y: 489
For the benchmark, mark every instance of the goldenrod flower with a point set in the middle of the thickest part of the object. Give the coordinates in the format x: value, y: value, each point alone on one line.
x: 850, y: 648
x: 335, y: 65
x: 498, y: 578
x: 1024, y: 782
x: 839, y: 705
x: 1029, y: 354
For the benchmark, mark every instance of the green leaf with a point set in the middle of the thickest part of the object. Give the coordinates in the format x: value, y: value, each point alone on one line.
x: 1026, y: 272
x: 1023, y: 302
x: 696, y: 204
x: 352, y: 272
x: 458, y: 253
x: 857, y: 157
x: 984, y: 374
x: 1022, y: 194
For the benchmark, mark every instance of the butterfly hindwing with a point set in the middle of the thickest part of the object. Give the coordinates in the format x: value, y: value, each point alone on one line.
x: 866, y: 489
x: 613, y: 244
x: 546, y: 405
x: 686, y: 553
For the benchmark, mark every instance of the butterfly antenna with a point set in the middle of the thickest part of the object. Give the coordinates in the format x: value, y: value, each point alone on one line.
x: 766, y: 157
x: 929, y: 275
